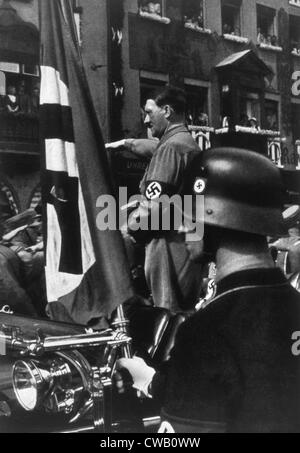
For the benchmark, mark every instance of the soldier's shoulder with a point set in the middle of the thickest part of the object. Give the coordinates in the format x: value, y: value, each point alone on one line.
x: 180, y: 143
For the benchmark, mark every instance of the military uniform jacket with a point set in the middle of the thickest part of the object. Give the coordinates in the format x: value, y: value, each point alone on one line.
x: 234, y: 367
x: 170, y: 162
x: 173, y: 279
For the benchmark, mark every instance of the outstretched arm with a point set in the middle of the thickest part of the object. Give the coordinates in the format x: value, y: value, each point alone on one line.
x: 141, y: 147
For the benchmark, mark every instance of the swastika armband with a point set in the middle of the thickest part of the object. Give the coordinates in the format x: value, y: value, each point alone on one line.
x: 155, y: 189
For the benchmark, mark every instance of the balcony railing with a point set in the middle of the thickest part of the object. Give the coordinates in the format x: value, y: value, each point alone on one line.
x: 19, y: 128
x: 275, y: 151
x: 248, y: 130
x: 202, y: 135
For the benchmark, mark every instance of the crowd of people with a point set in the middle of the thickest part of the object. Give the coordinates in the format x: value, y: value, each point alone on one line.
x: 150, y: 7
x: 263, y: 38
x: 197, y: 119
x: 196, y: 19
x: 252, y: 122
x: 18, y: 101
x: 229, y: 30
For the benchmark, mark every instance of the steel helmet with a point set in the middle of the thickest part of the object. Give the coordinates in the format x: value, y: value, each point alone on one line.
x: 242, y: 190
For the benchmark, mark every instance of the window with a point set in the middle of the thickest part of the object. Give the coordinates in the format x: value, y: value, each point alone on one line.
x: 271, y: 109
x: 197, y: 105
x: 193, y: 13
x: 27, y: 77
x: 33, y: 70
x: 150, y: 88
x: 250, y: 110
x: 231, y: 17
x: 22, y: 81
x: 9, y: 67
x: 266, y: 27
x: 295, y: 34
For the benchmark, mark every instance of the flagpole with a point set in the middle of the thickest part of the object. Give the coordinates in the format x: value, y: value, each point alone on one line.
x: 121, y: 323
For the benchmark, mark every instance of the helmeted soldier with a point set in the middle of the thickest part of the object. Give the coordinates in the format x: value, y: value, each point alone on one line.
x: 233, y: 367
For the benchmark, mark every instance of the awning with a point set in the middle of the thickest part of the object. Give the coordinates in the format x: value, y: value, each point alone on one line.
x: 245, y: 61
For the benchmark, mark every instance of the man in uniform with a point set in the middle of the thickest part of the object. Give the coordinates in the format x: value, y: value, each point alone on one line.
x: 234, y: 366
x: 288, y: 247
x: 173, y: 278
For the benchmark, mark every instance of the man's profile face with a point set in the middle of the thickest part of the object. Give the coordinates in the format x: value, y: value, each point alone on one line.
x: 155, y: 118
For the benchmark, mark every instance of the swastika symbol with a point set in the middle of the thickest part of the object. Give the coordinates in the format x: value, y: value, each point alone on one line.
x: 199, y: 185
x: 153, y: 191
x: 211, y: 289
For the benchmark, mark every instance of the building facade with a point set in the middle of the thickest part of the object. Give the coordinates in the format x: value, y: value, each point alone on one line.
x: 186, y: 42
x: 19, y: 85
x: 237, y: 60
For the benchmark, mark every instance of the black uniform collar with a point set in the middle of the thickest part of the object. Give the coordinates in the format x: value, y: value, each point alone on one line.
x: 251, y: 277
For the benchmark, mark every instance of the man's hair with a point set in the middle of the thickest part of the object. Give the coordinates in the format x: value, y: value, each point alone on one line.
x: 174, y: 97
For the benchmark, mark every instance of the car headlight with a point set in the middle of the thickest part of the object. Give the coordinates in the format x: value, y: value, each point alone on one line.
x: 56, y: 382
x: 31, y: 383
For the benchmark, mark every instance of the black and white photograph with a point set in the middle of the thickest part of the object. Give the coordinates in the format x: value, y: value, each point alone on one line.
x: 149, y: 219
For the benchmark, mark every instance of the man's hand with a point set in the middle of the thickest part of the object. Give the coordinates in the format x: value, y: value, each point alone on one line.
x: 141, y: 373
x: 39, y: 247
x: 115, y: 145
